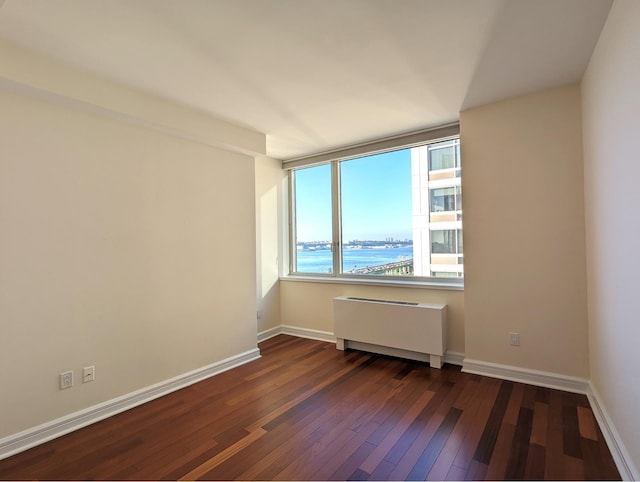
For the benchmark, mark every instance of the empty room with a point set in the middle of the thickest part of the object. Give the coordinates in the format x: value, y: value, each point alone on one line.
x: 319, y: 240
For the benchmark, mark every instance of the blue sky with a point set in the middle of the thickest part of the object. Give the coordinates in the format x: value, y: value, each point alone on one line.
x: 376, y: 199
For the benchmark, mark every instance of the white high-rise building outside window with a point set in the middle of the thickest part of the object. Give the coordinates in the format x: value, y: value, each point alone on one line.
x: 437, y: 210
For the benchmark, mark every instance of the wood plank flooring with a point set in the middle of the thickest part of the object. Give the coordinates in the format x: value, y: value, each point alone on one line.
x: 306, y: 411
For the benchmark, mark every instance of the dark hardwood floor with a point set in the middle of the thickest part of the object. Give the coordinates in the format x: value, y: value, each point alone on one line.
x: 308, y: 411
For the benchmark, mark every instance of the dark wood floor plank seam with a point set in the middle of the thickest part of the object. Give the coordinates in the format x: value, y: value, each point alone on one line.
x: 266, y: 405
x: 504, y: 444
x: 361, y: 435
x: 487, y: 442
x: 359, y: 474
x: 301, y: 425
x: 316, y: 394
x: 520, y: 449
x: 353, y: 462
x: 390, y: 439
x: 444, y: 462
x: 433, y: 449
x: 534, y: 469
x: 416, y: 427
x: 571, y: 432
x: 304, y: 440
x: 487, y: 393
x: 391, y: 414
x: 273, y: 458
x: 342, y: 453
x: 220, y: 457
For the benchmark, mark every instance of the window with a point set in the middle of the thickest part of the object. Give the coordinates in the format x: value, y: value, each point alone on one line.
x: 445, y: 199
x: 396, y: 213
x: 443, y: 241
x: 313, y: 220
x: 376, y: 214
x: 444, y: 155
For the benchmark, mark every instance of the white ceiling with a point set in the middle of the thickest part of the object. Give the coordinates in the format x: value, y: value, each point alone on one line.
x: 318, y: 74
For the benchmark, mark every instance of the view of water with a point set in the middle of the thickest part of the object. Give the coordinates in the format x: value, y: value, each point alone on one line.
x: 319, y: 261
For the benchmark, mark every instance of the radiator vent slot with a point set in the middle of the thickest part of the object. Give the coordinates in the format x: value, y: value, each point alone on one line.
x: 410, y: 303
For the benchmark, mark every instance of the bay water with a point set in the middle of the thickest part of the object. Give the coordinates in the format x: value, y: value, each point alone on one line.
x: 320, y: 260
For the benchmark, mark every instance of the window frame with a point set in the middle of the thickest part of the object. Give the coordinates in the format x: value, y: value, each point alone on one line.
x: 334, y: 158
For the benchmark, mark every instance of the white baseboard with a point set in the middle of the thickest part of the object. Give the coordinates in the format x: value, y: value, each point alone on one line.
x: 307, y: 333
x: 22, y: 441
x: 454, y: 358
x: 270, y: 333
x: 525, y: 375
x: 296, y: 331
x: 620, y: 454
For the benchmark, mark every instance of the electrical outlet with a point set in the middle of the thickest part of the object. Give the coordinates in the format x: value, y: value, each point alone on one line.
x: 66, y: 380
x: 259, y: 314
x: 514, y: 339
x: 88, y: 374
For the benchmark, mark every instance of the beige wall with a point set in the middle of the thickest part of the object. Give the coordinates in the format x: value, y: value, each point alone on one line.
x: 309, y: 305
x: 611, y: 109
x: 121, y: 247
x: 270, y: 179
x: 524, y: 232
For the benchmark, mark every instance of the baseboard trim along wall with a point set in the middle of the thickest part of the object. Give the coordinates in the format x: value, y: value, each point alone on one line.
x: 308, y: 333
x: 620, y: 454
x: 270, y: 333
x: 296, y: 331
x: 22, y: 441
x: 525, y: 375
x: 453, y: 358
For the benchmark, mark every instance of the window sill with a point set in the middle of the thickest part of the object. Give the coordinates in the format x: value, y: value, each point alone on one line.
x: 435, y: 285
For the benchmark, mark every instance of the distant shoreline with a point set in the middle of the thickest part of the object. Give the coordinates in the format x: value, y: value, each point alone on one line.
x: 365, y: 259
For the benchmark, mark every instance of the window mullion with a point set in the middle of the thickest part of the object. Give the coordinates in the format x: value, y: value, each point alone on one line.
x: 336, y: 245
x: 292, y: 224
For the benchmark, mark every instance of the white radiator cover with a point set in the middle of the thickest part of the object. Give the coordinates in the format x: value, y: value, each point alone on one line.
x: 412, y: 328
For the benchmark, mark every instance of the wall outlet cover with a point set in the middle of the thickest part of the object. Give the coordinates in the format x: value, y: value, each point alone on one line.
x: 66, y: 380
x: 88, y: 374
